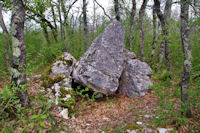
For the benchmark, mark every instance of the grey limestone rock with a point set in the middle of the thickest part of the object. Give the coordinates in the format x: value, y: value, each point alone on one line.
x: 135, y: 77
x: 63, y: 65
x: 101, y: 66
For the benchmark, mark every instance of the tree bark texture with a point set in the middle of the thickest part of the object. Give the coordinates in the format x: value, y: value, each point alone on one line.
x: 116, y: 4
x: 141, y: 28
x: 54, y: 17
x: 18, y: 75
x: 187, y: 65
x: 85, y: 23
x: 165, y: 34
x: 132, y: 21
x: 5, y: 31
x: 64, y: 24
x: 62, y: 30
x: 155, y: 35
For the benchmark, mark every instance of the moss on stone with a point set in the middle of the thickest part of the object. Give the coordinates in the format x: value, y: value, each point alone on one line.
x: 132, y: 126
x: 68, y: 62
x: 49, y: 81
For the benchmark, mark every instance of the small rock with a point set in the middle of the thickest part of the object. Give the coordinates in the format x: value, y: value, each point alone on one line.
x: 131, y: 131
x: 139, y: 123
x: 36, y: 76
x: 164, y: 130
x: 64, y: 114
x: 147, y: 116
x: 148, y: 130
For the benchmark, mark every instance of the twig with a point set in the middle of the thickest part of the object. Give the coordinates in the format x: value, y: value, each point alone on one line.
x: 103, y: 10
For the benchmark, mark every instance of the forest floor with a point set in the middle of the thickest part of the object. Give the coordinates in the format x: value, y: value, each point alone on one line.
x: 115, y: 114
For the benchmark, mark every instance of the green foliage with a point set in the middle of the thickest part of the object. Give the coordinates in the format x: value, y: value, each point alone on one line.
x: 38, y: 117
x: 84, y: 93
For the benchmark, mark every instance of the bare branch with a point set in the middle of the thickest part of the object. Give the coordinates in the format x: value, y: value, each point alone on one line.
x: 103, y: 10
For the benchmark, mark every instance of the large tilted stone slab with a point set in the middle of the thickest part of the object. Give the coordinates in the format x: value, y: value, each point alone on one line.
x: 101, y: 66
x: 135, y: 77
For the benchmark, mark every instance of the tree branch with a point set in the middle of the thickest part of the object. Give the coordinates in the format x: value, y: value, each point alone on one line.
x: 103, y: 10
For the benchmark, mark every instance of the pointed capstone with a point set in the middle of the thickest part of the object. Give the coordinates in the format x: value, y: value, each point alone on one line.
x: 101, y: 66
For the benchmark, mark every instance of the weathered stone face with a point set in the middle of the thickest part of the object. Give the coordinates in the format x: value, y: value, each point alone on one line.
x: 57, y: 79
x: 135, y: 77
x: 63, y: 65
x: 101, y: 66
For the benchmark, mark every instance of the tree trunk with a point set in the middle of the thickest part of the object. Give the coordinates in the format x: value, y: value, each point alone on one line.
x: 187, y: 65
x: 5, y: 31
x: 167, y: 16
x: 94, y: 19
x: 165, y: 34
x: 18, y: 75
x: 64, y: 24
x: 85, y: 23
x: 155, y: 35
x: 62, y: 31
x: 141, y: 28
x: 54, y: 18
x: 117, y: 15
x: 132, y: 21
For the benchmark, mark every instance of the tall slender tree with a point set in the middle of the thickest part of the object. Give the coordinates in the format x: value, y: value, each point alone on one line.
x: 155, y: 35
x: 164, y: 48
x: 141, y: 28
x: 54, y: 16
x: 132, y: 21
x: 18, y: 75
x: 187, y: 65
x: 85, y: 23
x: 62, y: 31
x: 5, y: 31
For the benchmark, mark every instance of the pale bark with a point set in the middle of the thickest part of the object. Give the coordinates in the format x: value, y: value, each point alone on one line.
x: 18, y: 75
x: 116, y: 5
x: 155, y: 35
x: 132, y: 21
x: 85, y: 23
x: 141, y: 28
x: 187, y: 65
x: 5, y: 31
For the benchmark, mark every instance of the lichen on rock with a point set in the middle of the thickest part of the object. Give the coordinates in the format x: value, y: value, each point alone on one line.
x: 57, y: 80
